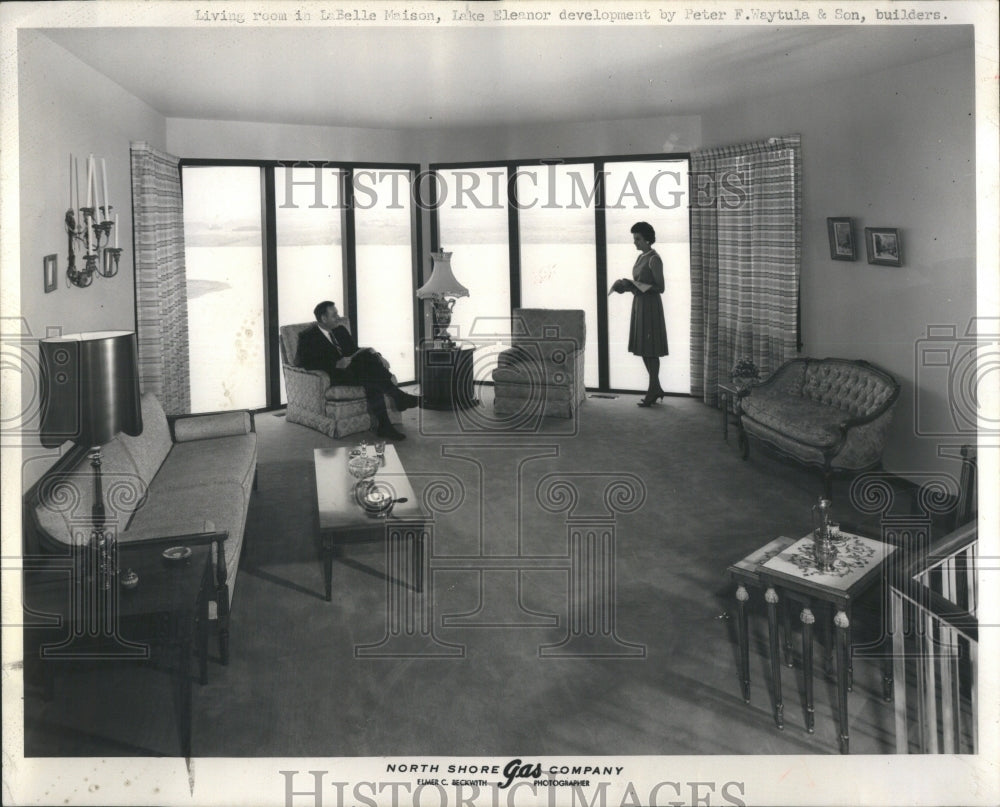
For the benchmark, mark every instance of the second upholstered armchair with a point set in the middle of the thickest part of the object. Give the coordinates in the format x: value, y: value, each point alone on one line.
x: 337, y: 410
x: 543, y: 368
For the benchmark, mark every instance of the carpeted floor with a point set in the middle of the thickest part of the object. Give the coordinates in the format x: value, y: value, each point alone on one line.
x: 681, y: 505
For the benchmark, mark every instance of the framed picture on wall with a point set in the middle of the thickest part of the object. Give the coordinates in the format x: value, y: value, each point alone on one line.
x: 884, y: 246
x: 50, y: 265
x: 842, y: 244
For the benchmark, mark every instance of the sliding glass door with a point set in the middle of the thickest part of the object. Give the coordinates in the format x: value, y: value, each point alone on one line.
x: 225, y: 287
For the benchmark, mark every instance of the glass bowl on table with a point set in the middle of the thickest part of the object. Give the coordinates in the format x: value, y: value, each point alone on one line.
x: 362, y: 468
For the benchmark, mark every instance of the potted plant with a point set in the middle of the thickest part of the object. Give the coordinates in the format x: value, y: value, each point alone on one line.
x: 745, y: 374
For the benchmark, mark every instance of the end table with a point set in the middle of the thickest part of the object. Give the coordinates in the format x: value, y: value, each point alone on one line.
x: 446, y: 375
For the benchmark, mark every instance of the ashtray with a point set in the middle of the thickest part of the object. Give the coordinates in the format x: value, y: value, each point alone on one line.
x: 176, y: 554
x: 377, y: 500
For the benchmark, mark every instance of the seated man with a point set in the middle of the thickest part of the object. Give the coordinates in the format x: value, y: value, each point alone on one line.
x: 331, y: 348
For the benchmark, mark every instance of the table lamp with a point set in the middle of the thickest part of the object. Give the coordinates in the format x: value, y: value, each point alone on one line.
x: 90, y: 393
x: 438, y: 289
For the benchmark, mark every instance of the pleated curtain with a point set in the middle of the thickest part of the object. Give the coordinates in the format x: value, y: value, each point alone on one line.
x: 746, y: 222
x: 160, y: 282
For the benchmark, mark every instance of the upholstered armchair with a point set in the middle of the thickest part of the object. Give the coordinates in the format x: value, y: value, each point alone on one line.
x: 336, y: 410
x: 543, y: 368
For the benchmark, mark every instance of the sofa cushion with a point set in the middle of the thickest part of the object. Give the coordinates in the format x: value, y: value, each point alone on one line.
x: 219, y: 424
x: 149, y: 449
x: 344, y: 393
x: 846, y: 385
x: 204, y: 462
x: 800, y: 419
x: 221, y: 504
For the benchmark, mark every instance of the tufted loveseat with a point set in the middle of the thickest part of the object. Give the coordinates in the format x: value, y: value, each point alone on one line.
x: 830, y: 413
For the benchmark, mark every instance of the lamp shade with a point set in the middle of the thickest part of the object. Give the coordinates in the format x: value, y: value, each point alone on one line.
x: 442, y: 282
x: 90, y: 388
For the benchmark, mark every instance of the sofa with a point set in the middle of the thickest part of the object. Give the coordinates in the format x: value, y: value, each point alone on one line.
x: 832, y: 414
x: 186, y: 480
x: 336, y: 410
x: 543, y: 367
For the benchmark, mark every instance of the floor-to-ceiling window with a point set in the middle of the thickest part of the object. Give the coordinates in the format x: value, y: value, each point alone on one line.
x: 473, y: 226
x: 266, y: 241
x: 309, y: 242
x: 555, y: 210
x: 653, y: 191
x: 555, y: 234
x: 384, y: 265
x: 225, y: 291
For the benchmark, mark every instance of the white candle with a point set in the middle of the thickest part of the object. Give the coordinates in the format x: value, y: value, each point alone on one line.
x: 104, y: 179
x: 97, y: 195
x: 76, y: 176
x: 90, y: 181
x: 116, y: 231
x: 70, y: 181
x: 90, y: 239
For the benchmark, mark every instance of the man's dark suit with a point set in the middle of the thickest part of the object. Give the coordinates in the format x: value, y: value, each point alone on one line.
x: 316, y: 352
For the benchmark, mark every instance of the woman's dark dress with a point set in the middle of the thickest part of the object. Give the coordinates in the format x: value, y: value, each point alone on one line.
x: 647, y: 334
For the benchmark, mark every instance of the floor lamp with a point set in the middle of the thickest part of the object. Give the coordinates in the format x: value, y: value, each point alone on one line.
x: 90, y: 394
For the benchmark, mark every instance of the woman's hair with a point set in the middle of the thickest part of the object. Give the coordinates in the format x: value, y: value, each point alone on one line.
x: 645, y: 230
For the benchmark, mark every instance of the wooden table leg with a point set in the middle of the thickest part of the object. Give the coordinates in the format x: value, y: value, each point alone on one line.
x: 742, y: 596
x: 771, y: 598
x: 786, y: 627
x: 842, y: 623
x: 850, y: 661
x: 808, y: 619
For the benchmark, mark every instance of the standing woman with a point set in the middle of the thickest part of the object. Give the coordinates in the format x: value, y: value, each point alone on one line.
x: 648, y: 331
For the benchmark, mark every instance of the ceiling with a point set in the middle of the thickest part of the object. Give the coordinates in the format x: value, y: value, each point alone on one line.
x: 421, y: 77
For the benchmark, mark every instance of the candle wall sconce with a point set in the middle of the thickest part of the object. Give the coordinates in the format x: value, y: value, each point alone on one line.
x: 89, y: 226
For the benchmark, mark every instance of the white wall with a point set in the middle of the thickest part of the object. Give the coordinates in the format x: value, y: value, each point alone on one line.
x: 67, y: 107
x: 240, y: 140
x: 672, y: 133
x: 895, y: 149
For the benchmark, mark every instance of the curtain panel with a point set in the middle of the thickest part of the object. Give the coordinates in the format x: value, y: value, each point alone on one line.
x: 160, y: 281
x: 746, y: 221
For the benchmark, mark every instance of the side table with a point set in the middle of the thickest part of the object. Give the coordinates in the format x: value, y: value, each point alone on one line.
x: 730, y: 396
x: 446, y: 375
x: 82, y: 623
x: 785, y: 568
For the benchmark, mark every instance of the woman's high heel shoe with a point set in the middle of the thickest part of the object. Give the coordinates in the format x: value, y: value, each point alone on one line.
x: 651, y: 398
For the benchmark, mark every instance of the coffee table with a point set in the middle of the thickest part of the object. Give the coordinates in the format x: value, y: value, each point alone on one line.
x: 341, y: 516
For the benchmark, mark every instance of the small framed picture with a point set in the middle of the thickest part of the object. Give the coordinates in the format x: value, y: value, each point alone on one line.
x: 842, y: 244
x: 883, y: 245
x: 50, y: 268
